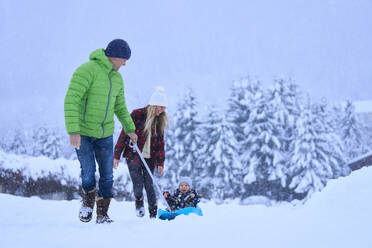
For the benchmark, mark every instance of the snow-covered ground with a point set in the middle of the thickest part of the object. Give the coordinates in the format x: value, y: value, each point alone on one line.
x: 38, y: 167
x: 339, y: 216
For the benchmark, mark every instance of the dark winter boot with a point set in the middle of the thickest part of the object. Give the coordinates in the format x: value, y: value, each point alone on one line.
x: 153, y: 210
x: 140, y: 210
x: 86, y: 209
x: 102, y: 209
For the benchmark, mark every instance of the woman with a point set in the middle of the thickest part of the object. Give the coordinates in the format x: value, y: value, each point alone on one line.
x: 150, y: 122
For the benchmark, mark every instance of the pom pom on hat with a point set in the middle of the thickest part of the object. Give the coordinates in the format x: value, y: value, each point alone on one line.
x: 158, y: 98
x: 185, y: 180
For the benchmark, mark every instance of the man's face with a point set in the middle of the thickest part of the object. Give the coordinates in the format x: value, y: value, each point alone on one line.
x: 118, y: 62
x: 159, y: 110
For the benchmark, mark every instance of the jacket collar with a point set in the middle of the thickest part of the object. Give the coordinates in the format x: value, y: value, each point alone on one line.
x: 101, y: 58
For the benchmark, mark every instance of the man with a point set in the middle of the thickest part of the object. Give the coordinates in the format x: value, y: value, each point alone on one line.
x: 95, y: 93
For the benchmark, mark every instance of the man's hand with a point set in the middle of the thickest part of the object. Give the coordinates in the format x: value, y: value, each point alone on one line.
x: 75, y: 140
x: 133, y: 137
x: 160, y: 171
x: 116, y: 163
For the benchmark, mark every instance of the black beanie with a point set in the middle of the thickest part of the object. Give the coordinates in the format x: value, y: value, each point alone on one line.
x: 118, y: 48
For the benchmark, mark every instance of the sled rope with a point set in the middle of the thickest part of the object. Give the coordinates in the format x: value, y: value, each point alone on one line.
x: 135, y: 147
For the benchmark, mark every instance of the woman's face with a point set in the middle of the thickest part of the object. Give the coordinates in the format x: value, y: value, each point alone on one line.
x: 159, y: 110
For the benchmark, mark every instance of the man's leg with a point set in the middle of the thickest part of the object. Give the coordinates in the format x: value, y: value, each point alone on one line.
x: 136, y: 175
x: 104, y: 151
x: 88, y: 168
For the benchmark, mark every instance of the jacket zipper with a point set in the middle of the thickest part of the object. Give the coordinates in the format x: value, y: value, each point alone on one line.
x: 108, y: 103
x: 85, y: 108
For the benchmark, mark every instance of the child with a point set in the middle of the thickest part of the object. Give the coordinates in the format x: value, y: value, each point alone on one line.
x: 184, y: 196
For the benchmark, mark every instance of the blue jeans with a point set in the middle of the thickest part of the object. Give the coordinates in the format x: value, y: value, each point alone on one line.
x: 92, y: 149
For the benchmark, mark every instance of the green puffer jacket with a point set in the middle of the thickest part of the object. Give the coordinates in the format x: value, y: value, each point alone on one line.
x: 95, y: 93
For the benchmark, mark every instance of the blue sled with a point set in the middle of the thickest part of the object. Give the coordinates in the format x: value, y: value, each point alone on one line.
x: 165, y: 215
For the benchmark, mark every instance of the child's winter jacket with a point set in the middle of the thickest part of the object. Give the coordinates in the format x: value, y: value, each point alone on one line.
x: 179, y: 200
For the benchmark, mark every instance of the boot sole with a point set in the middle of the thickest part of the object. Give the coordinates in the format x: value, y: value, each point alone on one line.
x: 85, y: 220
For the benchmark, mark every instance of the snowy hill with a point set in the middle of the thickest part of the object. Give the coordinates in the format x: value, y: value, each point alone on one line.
x: 339, y: 216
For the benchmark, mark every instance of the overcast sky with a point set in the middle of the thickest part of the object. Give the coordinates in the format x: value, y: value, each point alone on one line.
x: 324, y: 45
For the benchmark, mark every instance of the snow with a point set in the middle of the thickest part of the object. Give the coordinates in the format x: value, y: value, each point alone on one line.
x: 339, y: 216
x: 37, y: 167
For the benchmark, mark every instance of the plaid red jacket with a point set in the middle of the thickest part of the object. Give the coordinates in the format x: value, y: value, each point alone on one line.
x: 157, y: 142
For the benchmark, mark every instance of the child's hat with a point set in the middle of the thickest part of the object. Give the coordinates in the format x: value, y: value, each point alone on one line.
x: 185, y: 180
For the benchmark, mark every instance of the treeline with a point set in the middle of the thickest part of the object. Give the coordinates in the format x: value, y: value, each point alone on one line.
x: 272, y: 142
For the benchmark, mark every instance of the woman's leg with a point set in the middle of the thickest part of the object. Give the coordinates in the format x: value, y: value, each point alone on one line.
x: 149, y: 187
x: 136, y: 175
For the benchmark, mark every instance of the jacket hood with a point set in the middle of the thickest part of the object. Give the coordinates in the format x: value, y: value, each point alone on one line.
x: 100, y: 56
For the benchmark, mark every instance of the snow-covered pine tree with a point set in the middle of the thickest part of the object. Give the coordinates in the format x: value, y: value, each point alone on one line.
x: 336, y: 148
x: 15, y: 142
x: 351, y: 133
x: 222, y: 168
x: 265, y: 168
x: 239, y: 105
x: 310, y: 162
x: 47, y: 142
x: 171, y: 165
x: 315, y: 153
x: 186, y: 133
x: 286, y: 100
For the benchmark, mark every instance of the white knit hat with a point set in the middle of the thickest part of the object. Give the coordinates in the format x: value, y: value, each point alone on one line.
x: 158, y: 98
x: 185, y: 180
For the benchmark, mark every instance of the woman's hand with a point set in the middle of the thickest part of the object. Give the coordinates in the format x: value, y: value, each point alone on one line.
x: 166, y: 194
x: 116, y: 163
x: 192, y: 195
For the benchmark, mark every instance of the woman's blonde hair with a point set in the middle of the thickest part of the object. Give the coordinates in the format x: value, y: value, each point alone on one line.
x: 155, y: 123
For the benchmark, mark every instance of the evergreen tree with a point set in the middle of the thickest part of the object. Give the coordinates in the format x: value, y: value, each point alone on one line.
x: 316, y: 152
x: 286, y: 102
x: 47, y: 142
x: 187, y: 138
x: 222, y: 167
x: 171, y: 165
x: 325, y: 122
x: 15, y: 142
x: 310, y: 162
x: 240, y: 102
x: 263, y: 160
x: 351, y: 133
